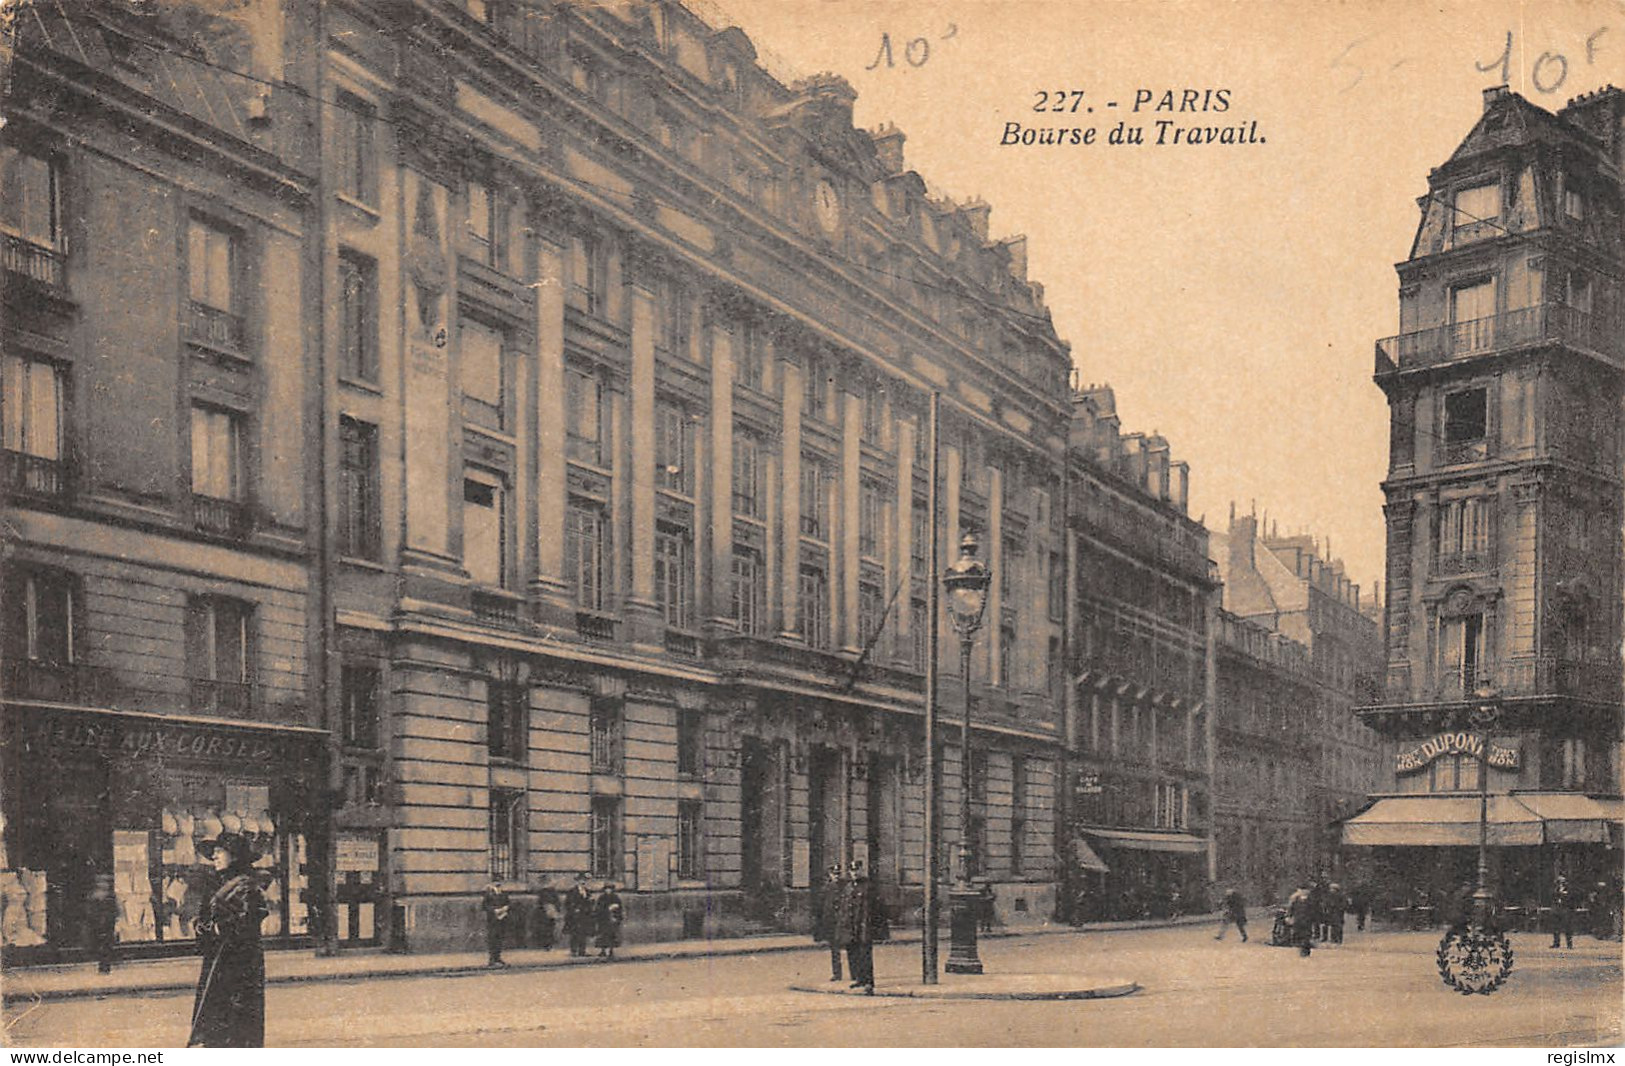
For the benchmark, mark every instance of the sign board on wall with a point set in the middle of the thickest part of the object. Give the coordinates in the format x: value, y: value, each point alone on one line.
x: 1502, y: 757
x: 357, y: 854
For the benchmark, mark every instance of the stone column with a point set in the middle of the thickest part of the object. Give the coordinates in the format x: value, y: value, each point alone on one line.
x: 993, y: 556
x: 550, y: 586
x: 846, y: 543
x: 642, y: 612
x: 717, y: 602
x: 789, y: 586
x: 902, y: 574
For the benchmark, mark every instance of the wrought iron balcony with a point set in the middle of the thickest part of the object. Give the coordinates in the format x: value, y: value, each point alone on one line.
x: 34, y: 679
x: 1525, y: 327
x: 35, y: 261
x: 33, y: 475
x: 679, y: 642
x: 213, y: 328
x: 223, y: 518
x: 496, y: 608
x: 595, y: 625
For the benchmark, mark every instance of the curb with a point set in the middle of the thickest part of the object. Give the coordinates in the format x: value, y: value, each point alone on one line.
x: 133, y: 986
x: 1116, y: 987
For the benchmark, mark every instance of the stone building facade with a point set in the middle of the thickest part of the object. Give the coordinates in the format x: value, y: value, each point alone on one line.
x: 543, y: 433
x: 1504, y: 510
x: 1140, y: 801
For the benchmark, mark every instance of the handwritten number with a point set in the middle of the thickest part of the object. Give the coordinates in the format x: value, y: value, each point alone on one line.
x: 1591, y: 45
x: 925, y: 52
x: 885, y: 50
x: 1505, y: 62
x: 1562, y: 72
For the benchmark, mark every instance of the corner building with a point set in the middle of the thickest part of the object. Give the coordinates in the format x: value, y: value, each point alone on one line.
x: 633, y: 346
x: 1503, y: 508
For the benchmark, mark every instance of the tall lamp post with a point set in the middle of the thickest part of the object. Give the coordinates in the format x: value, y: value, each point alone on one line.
x: 966, y: 583
x: 1484, y: 714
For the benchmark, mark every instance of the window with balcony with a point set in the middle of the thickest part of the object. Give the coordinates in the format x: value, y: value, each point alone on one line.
x: 507, y: 834
x: 360, y: 686
x: 1461, y: 653
x: 749, y: 590
x: 605, y: 832
x: 355, y: 157
x: 690, y: 743
x: 219, y: 656
x: 217, y: 471
x: 1477, y: 213
x: 483, y: 374
x: 674, y: 574
x: 812, y: 606
x: 674, y: 448
x: 606, y: 730
x: 584, y: 416
x: 38, y: 614
x: 1462, y: 535
x: 814, y: 499
x: 588, y: 288
x: 585, y: 555
x: 1472, y: 317
x: 32, y: 416
x: 690, y: 852
x: 214, y: 320
x: 30, y: 216
x: 358, y: 318
x: 360, y: 524
x: 485, y: 521
x: 507, y: 720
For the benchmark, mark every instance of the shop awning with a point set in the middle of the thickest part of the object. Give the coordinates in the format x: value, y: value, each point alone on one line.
x: 1086, y: 858
x: 1443, y: 821
x: 1570, y: 817
x: 1146, y: 840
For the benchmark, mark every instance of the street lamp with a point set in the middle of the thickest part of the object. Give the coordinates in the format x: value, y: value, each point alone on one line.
x: 1475, y: 957
x: 966, y: 583
x: 1483, y: 715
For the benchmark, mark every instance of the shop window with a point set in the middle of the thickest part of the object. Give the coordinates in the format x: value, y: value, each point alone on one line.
x: 219, y: 655
x: 358, y: 317
x: 507, y: 734
x: 690, y: 852
x: 355, y: 159
x: 606, y: 726
x: 360, y: 524
x: 507, y: 834
x: 483, y: 372
x: 690, y: 743
x: 360, y: 689
x: 605, y: 829
x: 485, y: 541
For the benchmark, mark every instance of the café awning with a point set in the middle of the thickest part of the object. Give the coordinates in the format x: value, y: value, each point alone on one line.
x: 1148, y: 840
x: 1520, y: 819
x: 1086, y: 858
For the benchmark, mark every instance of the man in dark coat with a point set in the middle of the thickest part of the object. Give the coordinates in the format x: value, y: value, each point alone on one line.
x: 1360, y: 903
x: 578, y: 916
x: 1317, y: 904
x: 1562, y: 912
x: 856, y: 927
x: 828, y: 917
x: 229, y: 1009
x: 1337, y: 904
x: 497, y: 908
x: 607, y: 918
x: 1232, y: 909
x: 1301, y: 913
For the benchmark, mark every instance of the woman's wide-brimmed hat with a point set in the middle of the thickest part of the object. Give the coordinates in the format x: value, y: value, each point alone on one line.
x: 239, y: 847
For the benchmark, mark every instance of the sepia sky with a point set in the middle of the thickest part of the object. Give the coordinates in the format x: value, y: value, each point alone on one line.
x: 1230, y: 293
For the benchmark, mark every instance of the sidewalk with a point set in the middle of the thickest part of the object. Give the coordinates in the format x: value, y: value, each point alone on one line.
x: 34, y: 983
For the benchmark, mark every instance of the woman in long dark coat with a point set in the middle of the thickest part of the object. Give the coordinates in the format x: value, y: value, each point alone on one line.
x: 229, y: 1010
x: 607, y: 918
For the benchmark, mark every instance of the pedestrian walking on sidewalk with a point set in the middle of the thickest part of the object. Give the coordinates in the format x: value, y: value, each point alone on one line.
x: 1232, y: 909
x: 497, y: 909
x: 828, y: 917
x: 1562, y: 912
x: 229, y: 1009
x: 1337, y: 905
x: 1301, y: 914
x: 578, y: 916
x: 857, y: 925
x: 607, y: 918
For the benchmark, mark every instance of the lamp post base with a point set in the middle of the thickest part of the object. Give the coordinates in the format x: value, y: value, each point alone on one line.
x: 964, y: 906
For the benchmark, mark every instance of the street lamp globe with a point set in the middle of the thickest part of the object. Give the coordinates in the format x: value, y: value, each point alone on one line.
x: 966, y: 582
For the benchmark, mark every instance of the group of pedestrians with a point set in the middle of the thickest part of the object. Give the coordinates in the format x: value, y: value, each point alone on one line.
x: 587, y: 916
x: 850, y: 917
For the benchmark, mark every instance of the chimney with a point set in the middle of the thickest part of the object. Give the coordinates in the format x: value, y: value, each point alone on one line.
x: 976, y: 214
x: 889, y: 147
x: 1493, y: 94
x: 1182, y: 486
x: 1017, y: 247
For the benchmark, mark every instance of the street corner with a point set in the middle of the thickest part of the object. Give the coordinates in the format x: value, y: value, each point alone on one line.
x: 1018, y: 986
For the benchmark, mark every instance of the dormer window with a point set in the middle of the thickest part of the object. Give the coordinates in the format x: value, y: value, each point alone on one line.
x: 1477, y: 212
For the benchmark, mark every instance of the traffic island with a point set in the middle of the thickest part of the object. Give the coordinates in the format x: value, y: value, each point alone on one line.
x: 988, y: 986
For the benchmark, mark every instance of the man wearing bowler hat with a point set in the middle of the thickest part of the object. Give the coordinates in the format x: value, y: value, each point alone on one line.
x: 828, y: 916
